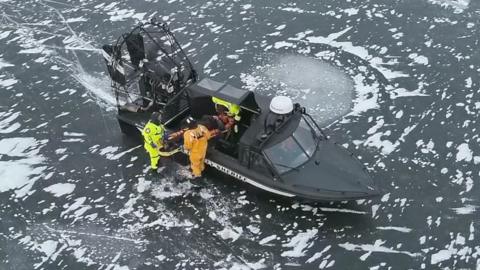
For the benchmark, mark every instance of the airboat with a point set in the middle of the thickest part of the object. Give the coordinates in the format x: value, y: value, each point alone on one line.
x: 278, y: 148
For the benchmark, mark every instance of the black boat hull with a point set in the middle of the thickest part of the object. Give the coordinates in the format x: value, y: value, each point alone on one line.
x: 290, y: 188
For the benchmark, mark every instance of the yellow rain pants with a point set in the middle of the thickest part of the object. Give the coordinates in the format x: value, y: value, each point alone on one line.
x: 153, y: 136
x: 196, y: 143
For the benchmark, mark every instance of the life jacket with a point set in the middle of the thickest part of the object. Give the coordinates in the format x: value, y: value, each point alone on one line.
x: 233, y: 109
x: 227, y: 121
x: 199, y: 133
x: 153, y: 134
x: 196, y: 140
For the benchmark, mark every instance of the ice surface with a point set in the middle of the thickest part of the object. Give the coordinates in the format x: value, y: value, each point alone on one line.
x: 326, y: 91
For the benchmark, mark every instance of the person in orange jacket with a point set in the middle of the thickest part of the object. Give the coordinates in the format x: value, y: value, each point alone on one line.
x: 227, y: 120
x: 195, y: 142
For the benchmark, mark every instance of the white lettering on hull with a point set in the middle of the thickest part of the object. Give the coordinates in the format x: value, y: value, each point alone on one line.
x: 240, y: 177
x: 245, y: 179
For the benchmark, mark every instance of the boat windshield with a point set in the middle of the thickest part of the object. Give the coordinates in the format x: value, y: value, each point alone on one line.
x: 295, y: 150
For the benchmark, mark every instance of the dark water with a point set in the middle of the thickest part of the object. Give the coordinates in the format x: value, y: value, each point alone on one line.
x: 401, y: 80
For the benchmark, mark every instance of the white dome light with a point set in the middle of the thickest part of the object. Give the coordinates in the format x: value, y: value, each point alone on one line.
x: 281, y: 105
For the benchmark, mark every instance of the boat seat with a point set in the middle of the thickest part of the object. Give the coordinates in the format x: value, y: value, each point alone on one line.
x: 226, y: 147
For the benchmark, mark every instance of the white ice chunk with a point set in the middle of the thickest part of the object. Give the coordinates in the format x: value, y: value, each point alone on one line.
x: 213, y: 58
x: 376, y: 247
x: 419, y: 59
x: 48, y: 247
x: 300, y: 243
x: 458, y: 5
x: 318, y: 255
x: 441, y: 256
x: 60, y: 189
x: 464, y: 153
x: 230, y: 233
x: 267, y: 239
x: 351, y: 11
x: 465, y: 210
x: 22, y: 171
x: 8, y: 82
x: 4, y: 64
x: 398, y: 229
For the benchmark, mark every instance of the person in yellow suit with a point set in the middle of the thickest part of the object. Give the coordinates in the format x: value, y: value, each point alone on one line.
x: 233, y: 109
x: 228, y: 108
x: 195, y: 142
x: 153, y: 134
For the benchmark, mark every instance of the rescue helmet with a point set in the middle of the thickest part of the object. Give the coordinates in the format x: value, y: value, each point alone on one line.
x: 191, y: 123
x: 156, y: 118
x: 221, y: 109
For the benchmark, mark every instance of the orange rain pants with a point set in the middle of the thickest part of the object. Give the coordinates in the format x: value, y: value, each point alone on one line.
x: 195, y: 141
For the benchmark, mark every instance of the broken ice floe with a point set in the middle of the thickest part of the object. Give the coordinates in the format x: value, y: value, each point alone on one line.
x: 25, y: 166
x: 60, y: 189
